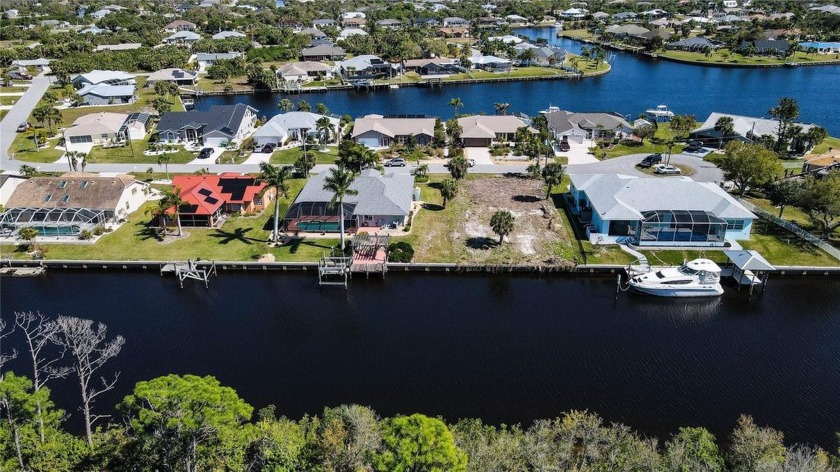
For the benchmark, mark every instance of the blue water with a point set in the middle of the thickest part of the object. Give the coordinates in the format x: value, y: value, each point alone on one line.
x: 635, y: 84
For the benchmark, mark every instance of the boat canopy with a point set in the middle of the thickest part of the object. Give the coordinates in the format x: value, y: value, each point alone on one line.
x: 749, y: 260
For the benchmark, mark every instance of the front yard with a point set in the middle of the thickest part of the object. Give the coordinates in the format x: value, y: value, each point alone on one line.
x: 289, y: 156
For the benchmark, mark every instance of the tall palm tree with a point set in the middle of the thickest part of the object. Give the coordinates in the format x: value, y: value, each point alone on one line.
x: 527, y: 56
x: 501, y: 108
x: 456, y: 103
x: 53, y: 117
x: 338, y: 182
x: 324, y: 126
x: 726, y: 126
x: 275, y: 177
x: 163, y: 160
x: 285, y: 105
x: 73, y: 159
x: 171, y: 201
x: 552, y: 174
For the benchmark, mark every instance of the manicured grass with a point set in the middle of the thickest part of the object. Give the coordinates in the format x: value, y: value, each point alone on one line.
x: 13, y: 89
x: 724, y: 56
x: 239, y: 239
x: 9, y: 100
x: 676, y: 257
x: 659, y: 143
x: 134, y: 154
x: 3, y: 114
x: 795, y: 216
x: 238, y: 83
x: 289, y: 156
x: 24, y: 149
x: 782, y: 247
x: 577, y: 34
x: 828, y: 142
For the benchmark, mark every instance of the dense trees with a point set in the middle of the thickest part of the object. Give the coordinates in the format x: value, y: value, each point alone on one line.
x: 748, y: 165
x: 820, y: 199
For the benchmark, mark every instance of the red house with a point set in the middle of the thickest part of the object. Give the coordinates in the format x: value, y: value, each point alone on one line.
x: 208, y: 197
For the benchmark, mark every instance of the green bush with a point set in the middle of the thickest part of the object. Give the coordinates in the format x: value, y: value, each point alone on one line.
x: 99, y: 230
x: 85, y: 235
x: 400, y: 252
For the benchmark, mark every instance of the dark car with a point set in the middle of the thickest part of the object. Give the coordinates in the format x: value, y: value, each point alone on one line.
x: 694, y: 146
x: 269, y: 148
x: 651, y: 160
x: 564, y: 146
x: 205, y: 153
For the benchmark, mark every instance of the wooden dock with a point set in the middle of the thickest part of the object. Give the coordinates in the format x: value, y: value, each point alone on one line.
x: 333, y: 270
x: 189, y: 270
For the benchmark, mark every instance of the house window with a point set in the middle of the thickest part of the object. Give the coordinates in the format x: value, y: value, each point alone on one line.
x: 62, y: 184
x: 734, y: 224
x: 84, y: 184
x: 48, y: 198
x: 134, y: 191
x: 65, y: 198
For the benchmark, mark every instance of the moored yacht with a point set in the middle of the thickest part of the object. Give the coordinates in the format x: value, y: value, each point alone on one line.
x: 697, y: 278
x: 660, y: 112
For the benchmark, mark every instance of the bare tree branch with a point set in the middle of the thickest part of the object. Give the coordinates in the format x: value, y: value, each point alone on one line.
x: 39, y: 333
x: 4, y: 358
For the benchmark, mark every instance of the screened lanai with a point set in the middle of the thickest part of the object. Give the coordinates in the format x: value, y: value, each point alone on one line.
x: 52, y: 221
x: 317, y: 216
x: 681, y: 226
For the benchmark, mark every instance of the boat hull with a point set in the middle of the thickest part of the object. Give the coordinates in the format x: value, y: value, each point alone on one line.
x: 714, y: 290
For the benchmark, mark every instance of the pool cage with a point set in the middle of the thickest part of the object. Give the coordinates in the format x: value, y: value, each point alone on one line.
x: 52, y: 221
x: 681, y: 226
x: 317, y: 217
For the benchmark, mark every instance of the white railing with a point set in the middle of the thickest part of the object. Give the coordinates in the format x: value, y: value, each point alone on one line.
x: 801, y: 233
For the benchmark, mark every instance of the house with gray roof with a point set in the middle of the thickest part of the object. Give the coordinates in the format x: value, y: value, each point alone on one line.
x: 207, y: 59
x: 107, y: 77
x: 366, y: 66
x: 484, y: 130
x: 656, y: 211
x: 305, y: 71
x: 380, y: 200
x: 228, y: 34
x: 569, y: 126
x: 323, y: 52
x: 103, y: 94
x: 389, y: 23
x: 292, y: 126
x: 455, y: 21
x: 219, y: 126
x: 698, y: 43
x: 174, y: 75
x: 744, y: 128
x: 323, y: 22
x: 376, y: 131
x: 767, y: 47
x: 183, y: 37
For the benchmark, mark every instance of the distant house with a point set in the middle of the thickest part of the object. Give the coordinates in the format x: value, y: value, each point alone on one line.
x: 577, y: 127
x: 484, y: 130
x: 674, y: 211
x: 545, y: 56
x: 183, y: 37
x: 765, y: 47
x: 817, y: 163
x: 292, y: 126
x: 104, y: 127
x: 600, y: 16
x: 219, y: 126
x: 366, y: 66
x: 455, y: 21
x: 426, y: 22
x: 376, y: 131
x: 103, y: 94
x: 99, y: 14
x: 353, y: 22
x: 348, y: 32
x: 435, y: 66
x: 380, y: 201
x: 698, y: 43
x: 8, y: 183
x: 118, y: 47
x: 507, y: 39
x: 11, y: 14
x: 305, y: 71
x: 179, y: 25
x: 39, y: 64
x: 574, y: 13
x: 624, y: 16
x: 323, y: 52
x: 207, y: 59
x: 628, y: 32
x: 352, y: 14
x: 106, y: 77
x: 93, y: 30
x: 323, y: 22
x: 228, y: 34
x: 389, y: 23
x: 72, y: 203
x: 821, y: 47
x: 174, y: 75
x: 453, y: 32
x: 206, y: 197
x: 491, y: 63
x: 313, y: 33
x: 744, y: 128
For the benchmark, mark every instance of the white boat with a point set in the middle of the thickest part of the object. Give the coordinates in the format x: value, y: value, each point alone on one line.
x: 393, y: 86
x: 550, y: 109
x: 660, y: 111
x: 697, y: 278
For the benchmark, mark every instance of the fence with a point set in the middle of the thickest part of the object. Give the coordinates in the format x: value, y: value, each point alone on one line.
x: 805, y: 235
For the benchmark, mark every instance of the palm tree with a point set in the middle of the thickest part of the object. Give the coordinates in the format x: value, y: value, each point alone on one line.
x: 28, y: 171
x: 502, y: 223
x: 171, y: 201
x: 726, y: 126
x: 304, y: 163
x: 501, y: 108
x: 163, y: 160
x: 456, y: 103
x: 40, y: 114
x: 275, y: 177
x: 303, y: 105
x: 73, y: 159
x: 422, y: 171
x: 448, y: 190
x: 37, y: 136
x: 552, y: 174
x: 324, y: 126
x: 458, y: 167
x: 53, y: 117
x: 285, y: 105
x: 338, y: 182
x: 527, y: 56
x: 28, y: 234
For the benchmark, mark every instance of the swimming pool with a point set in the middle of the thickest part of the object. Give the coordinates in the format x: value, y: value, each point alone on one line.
x: 315, y: 226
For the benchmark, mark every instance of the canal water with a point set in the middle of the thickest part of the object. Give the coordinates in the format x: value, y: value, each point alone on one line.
x: 635, y: 84
x: 504, y: 348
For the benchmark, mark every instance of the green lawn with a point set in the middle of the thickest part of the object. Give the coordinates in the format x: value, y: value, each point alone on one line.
x: 828, y: 142
x: 24, y: 149
x: 134, y: 154
x: 724, y: 56
x: 656, y: 144
x: 577, y: 34
x: 9, y: 100
x: 289, y: 156
x: 239, y: 239
x: 3, y: 114
x: 13, y: 89
x: 795, y: 216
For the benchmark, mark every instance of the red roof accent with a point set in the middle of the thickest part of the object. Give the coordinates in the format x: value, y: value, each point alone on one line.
x: 204, y: 194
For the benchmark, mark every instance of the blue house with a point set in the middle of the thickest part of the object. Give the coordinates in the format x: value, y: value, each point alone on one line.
x: 657, y: 211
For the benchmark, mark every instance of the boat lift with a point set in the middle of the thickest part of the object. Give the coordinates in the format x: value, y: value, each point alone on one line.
x: 189, y: 270
x: 749, y: 268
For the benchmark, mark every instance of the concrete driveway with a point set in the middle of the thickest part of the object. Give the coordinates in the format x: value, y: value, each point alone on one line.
x: 703, y: 171
x: 578, y: 153
x: 18, y: 114
x: 480, y: 155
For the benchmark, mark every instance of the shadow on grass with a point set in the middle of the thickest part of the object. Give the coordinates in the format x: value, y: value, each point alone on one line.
x: 149, y: 231
x: 432, y: 207
x: 295, y: 244
x: 480, y: 242
x: 238, y: 234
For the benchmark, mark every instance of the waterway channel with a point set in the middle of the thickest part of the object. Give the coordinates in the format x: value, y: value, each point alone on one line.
x: 505, y: 348
x: 635, y: 84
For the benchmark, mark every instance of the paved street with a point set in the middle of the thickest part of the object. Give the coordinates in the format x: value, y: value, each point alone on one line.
x: 704, y: 171
x: 18, y: 114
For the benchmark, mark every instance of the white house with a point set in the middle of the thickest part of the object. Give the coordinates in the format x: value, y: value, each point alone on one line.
x: 305, y: 71
x: 183, y: 37
x: 375, y: 131
x: 292, y: 126
x: 228, y: 34
x: 657, y: 211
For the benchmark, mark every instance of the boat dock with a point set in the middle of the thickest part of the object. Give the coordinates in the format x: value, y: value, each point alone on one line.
x: 189, y: 270
x: 333, y: 270
x: 22, y: 271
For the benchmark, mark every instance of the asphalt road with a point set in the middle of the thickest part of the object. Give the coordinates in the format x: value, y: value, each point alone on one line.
x: 703, y: 171
x: 18, y: 114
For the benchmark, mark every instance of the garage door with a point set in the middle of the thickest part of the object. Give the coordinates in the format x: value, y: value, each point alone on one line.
x: 369, y: 142
x: 214, y: 142
x: 81, y: 139
x: 476, y: 142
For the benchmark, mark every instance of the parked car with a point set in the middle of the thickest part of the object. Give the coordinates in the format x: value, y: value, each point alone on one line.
x: 205, y: 153
x: 396, y: 162
x: 470, y: 162
x: 694, y: 146
x: 564, y: 146
x: 651, y: 160
x: 15, y: 75
x: 269, y: 148
x: 23, y: 127
x: 666, y: 169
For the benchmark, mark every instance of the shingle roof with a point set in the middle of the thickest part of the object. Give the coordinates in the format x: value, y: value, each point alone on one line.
x: 96, y: 124
x: 185, y: 35
x: 394, y: 126
x: 279, y: 125
x: 100, y: 193
x: 302, y: 68
x: 481, y: 126
x: 378, y: 194
x: 105, y: 91
x: 216, y: 56
x: 228, y: 34
x: 564, y: 120
x: 323, y: 50
x: 100, y: 76
x: 616, y: 196
x: 745, y: 125
x: 224, y: 119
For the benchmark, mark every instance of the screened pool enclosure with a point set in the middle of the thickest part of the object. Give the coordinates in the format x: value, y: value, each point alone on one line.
x: 681, y: 226
x: 52, y: 221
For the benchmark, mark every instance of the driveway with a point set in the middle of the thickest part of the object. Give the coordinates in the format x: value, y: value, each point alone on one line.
x: 578, y: 153
x: 703, y: 171
x: 18, y: 114
x: 480, y: 155
x: 217, y: 152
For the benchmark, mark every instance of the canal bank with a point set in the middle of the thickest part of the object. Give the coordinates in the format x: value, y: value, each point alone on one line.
x: 505, y: 348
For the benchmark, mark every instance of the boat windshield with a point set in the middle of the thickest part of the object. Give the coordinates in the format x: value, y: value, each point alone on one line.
x: 685, y: 270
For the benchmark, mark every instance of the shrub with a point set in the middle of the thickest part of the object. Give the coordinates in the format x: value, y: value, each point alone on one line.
x: 99, y: 230
x: 85, y: 235
x: 400, y: 252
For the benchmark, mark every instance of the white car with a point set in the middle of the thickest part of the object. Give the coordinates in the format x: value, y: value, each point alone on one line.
x: 666, y: 169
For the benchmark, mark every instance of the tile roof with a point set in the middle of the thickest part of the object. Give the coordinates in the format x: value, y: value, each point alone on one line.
x: 394, y: 126
x: 279, y: 125
x: 103, y: 90
x: 745, y: 125
x: 487, y: 126
x: 204, y: 194
x: 96, y: 124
